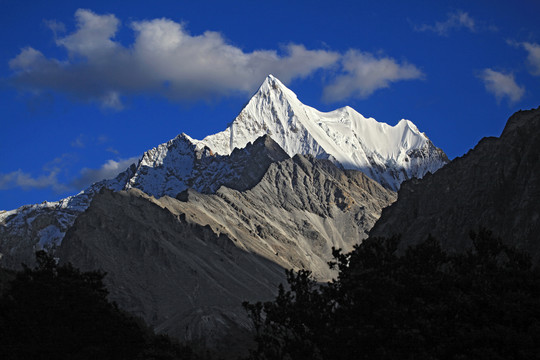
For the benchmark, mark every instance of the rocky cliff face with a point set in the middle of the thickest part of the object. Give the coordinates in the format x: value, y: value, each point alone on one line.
x: 185, y: 264
x: 496, y: 185
x: 181, y: 164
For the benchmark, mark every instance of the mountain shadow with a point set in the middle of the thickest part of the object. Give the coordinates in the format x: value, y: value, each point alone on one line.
x: 58, y: 312
x: 496, y: 185
x: 185, y: 266
x: 422, y: 303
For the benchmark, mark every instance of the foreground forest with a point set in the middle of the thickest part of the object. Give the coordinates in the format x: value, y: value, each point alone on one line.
x: 58, y: 312
x: 386, y: 303
x: 421, y: 303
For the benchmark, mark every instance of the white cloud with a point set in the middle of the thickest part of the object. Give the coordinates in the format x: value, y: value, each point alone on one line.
x: 364, y: 74
x: 163, y: 59
x: 109, y: 170
x: 92, y: 40
x: 29, y: 59
x: 456, y: 20
x: 112, y: 100
x: 502, y: 85
x: 533, y: 58
x: 48, y: 178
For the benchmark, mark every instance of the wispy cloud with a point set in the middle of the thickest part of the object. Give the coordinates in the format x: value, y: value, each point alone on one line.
x: 112, y: 150
x: 109, y: 170
x: 165, y: 59
x: 533, y: 56
x: 49, y: 179
x: 85, y: 140
x: 56, y: 27
x: 79, y: 142
x: 502, y: 85
x: 26, y: 181
x: 455, y: 21
x: 364, y: 73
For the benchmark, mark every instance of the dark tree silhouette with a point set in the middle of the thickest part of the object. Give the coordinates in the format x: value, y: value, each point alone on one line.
x: 422, y: 303
x: 59, y: 312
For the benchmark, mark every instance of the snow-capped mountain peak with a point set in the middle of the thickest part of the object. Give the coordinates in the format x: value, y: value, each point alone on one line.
x: 271, y: 83
x: 388, y: 154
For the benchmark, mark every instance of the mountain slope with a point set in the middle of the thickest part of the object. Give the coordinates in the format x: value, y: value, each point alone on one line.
x: 185, y: 265
x: 43, y: 226
x: 496, y: 185
x: 165, y: 170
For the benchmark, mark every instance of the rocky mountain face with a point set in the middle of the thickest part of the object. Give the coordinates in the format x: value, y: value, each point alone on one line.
x: 387, y: 154
x: 496, y: 185
x: 182, y: 164
x: 185, y: 264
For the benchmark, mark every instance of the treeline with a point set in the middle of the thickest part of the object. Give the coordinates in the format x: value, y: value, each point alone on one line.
x: 58, y: 312
x: 421, y: 303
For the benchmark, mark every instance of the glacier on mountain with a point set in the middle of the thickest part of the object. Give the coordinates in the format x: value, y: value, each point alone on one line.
x: 387, y: 154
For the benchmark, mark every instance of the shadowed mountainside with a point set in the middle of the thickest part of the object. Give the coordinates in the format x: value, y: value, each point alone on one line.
x: 496, y: 185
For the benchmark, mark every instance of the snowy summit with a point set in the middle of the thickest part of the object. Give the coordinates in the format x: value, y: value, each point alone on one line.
x: 387, y: 154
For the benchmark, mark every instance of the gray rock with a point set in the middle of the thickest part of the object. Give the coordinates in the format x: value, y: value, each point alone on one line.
x: 186, y: 265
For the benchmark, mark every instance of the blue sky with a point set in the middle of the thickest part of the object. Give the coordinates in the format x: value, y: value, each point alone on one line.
x: 86, y: 87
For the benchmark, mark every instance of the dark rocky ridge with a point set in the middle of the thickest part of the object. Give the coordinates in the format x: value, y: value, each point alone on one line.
x: 496, y: 185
